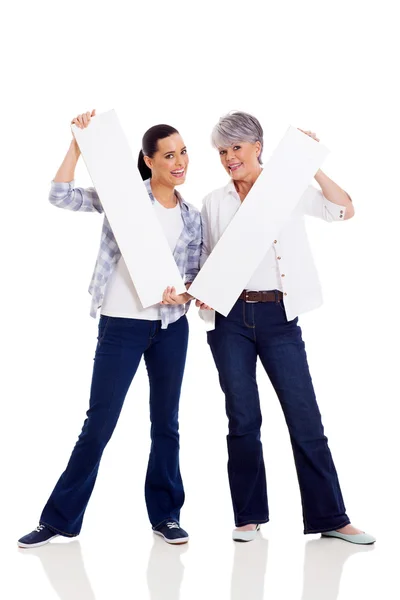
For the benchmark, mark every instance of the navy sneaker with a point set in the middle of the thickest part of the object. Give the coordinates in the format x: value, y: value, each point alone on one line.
x: 172, y: 533
x: 38, y: 537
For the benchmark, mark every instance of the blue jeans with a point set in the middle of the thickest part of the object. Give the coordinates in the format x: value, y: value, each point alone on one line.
x: 262, y: 330
x: 121, y: 345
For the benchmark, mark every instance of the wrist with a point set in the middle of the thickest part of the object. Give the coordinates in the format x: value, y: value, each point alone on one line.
x: 318, y: 175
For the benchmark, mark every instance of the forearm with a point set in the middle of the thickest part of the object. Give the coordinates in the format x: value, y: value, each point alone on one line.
x: 66, y: 172
x: 331, y: 190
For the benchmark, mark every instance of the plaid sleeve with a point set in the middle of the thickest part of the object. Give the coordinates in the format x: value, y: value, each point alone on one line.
x: 194, y: 251
x: 206, y: 245
x: 65, y: 195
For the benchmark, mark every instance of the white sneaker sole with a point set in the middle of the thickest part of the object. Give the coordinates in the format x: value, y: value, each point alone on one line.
x: 177, y: 541
x: 22, y: 545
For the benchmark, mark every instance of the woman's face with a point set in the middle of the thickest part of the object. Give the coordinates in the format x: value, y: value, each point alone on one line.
x: 169, y: 164
x: 241, y: 159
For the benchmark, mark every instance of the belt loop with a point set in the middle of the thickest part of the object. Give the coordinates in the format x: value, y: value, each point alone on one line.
x: 276, y: 296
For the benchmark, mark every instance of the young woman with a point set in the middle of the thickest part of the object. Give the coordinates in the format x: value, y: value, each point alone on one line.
x: 127, y: 332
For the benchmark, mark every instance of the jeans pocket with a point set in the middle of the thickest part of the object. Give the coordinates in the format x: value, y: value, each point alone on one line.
x: 103, y: 324
x: 282, y: 307
x: 294, y: 321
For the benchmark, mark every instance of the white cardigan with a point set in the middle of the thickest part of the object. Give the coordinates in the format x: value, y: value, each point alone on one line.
x: 300, y: 284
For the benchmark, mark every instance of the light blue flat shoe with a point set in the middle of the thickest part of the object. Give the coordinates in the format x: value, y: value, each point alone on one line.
x: 355, y: 538
x: 245, y: 536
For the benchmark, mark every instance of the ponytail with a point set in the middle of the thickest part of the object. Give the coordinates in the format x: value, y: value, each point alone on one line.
x: 144, y: 170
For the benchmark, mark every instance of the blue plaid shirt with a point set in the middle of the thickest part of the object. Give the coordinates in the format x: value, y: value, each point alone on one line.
x: 186, y: 254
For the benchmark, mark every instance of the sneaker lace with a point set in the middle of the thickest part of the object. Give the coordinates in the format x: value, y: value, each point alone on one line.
x: 172, y: 525
x: 39, y: 528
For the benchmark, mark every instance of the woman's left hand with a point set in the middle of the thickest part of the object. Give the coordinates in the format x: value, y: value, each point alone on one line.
x: 310, y: 134
x: 171, y: 297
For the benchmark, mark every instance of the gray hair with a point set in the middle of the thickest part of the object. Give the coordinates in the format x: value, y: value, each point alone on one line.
x: 237, y: 126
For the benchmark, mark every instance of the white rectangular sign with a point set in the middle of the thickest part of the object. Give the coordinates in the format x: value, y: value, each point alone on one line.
x: 127, y: 206
x: 258, y: 221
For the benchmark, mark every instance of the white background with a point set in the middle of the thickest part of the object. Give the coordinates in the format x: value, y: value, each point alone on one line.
x: 326, y: 66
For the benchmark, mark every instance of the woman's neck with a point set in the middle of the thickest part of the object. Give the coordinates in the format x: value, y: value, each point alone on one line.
x: 164, y: 194
x: 243, y: 186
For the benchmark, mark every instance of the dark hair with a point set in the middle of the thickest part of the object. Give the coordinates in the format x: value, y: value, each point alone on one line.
x: 150, y: 146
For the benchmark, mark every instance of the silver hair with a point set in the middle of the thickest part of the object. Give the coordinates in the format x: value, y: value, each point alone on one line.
x: 236, y: 127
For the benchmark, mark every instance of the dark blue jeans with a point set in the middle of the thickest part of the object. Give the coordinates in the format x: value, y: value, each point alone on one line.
x: 262, y: 330
x: 121, y: 345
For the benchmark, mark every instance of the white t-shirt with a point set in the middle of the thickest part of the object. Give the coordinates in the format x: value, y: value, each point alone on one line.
x: 121, y: 299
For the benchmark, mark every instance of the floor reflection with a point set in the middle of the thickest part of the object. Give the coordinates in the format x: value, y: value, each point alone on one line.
x: 324, y: 560
x: 323, y: 566
x: 249, y: 567
x: 65, y: 569
x: 165, y: 570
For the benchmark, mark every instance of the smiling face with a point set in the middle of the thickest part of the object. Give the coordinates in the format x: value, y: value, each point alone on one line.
x: 241, y: 159
x: 170, y: 163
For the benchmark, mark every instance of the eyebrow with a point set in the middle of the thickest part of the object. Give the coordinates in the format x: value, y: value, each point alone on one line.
x: 172, y: 151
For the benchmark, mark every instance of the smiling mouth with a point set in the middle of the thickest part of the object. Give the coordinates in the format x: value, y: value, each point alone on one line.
x: 178, y: 173
x: 234, y: 167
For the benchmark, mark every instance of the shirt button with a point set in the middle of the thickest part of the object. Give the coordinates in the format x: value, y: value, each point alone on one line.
x: 341, y: 216
x: 275, y: 241
x: 285, y: 294
x: 278, y: 258
x: 283, y: 275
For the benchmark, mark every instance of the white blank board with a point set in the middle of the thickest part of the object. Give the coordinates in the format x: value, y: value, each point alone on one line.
x: 258, y: 221
x: 128, y: 208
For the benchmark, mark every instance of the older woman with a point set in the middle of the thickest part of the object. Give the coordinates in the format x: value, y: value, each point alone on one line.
x: 257, y: 326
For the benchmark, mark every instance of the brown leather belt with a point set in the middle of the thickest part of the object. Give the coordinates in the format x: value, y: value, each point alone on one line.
x: 263, y: 296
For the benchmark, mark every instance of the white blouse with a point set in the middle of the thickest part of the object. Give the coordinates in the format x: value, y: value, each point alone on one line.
x: 295, y: 273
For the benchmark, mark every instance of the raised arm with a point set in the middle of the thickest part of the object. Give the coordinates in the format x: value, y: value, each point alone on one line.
x: 63, y: 193
x: 335, y: 193
x: 332, y: 203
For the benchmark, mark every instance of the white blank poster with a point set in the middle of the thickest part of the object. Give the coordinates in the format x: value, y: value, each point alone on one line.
x: 126, y: 203
x: 258, y: 221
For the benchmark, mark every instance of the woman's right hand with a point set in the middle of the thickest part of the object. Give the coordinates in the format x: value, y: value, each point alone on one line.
x: 66, y: 172
x: 83, y: 120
